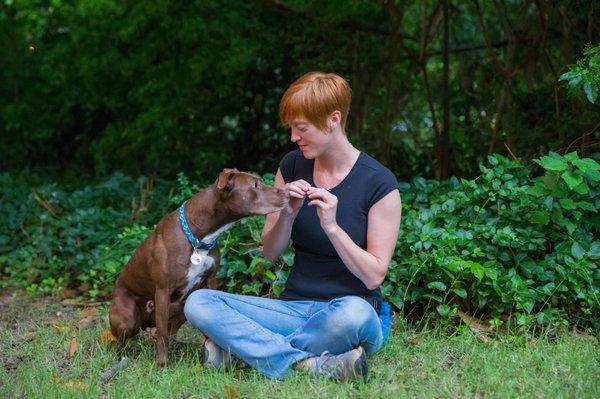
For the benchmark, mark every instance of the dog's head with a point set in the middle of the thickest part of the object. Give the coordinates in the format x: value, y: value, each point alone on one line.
x: 246, y: 194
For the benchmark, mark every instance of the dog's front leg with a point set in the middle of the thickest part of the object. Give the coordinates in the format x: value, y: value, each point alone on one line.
x: 162, y: 302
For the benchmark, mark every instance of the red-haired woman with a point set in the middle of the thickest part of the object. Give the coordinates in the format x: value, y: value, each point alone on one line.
x: 343, y: 220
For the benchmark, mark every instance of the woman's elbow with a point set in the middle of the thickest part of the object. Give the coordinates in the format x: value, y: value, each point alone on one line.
x: 375, y: 281
x: 269, y: 256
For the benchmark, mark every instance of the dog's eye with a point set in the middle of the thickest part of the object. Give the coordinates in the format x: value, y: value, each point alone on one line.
x: 255, y: 184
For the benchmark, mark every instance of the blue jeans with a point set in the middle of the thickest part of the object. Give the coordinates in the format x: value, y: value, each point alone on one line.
x: 272, y: 334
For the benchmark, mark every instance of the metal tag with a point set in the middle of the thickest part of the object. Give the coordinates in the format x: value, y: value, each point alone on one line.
x: 196, y: 258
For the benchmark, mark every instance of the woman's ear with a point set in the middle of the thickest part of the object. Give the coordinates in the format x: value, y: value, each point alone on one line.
x: 335, y: 119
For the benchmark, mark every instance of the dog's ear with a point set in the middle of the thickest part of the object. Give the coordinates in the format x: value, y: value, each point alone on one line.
x: 225, y: 177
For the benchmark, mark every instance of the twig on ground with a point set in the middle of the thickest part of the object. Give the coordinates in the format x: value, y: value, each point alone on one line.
x: 110, y: 373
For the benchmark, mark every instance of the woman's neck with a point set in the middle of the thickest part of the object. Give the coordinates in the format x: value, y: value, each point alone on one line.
x: 340, y: 157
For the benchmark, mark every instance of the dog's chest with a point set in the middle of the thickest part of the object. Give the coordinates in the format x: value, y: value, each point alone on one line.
x: 196, y: 271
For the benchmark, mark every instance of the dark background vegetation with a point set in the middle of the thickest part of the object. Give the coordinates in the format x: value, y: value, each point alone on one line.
x: 114, y: 112
x: 158, y: 87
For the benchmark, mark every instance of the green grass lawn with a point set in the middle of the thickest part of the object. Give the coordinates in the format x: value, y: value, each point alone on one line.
x: 35, y: 337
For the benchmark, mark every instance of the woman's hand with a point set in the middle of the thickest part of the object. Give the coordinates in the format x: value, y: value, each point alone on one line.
x: 297, y: 190
x: 326, y: 204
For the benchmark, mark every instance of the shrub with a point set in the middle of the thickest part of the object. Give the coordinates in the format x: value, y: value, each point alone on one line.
x: 504, y: 243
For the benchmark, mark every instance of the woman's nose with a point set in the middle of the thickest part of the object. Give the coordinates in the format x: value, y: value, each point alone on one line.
x: 295, y: 136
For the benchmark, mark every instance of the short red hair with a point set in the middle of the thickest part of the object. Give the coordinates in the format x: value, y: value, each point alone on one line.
x: 315, y: 96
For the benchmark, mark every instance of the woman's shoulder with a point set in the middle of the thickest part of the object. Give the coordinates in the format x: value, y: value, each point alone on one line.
x: 292, y: 165
x: 291, y: 156
x: 374, y: 168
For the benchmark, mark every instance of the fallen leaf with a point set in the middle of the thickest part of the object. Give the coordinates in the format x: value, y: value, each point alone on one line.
x: 107, y: 338
x: 61, y: 328
x: 479, y: 328
x: 230, y: 392
x: 72, y: 348
x: 474, y: 323
x: 411, y: 341
x: 87, y: 312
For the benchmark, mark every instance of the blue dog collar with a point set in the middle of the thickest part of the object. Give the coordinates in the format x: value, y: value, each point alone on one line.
x: 196, y: 243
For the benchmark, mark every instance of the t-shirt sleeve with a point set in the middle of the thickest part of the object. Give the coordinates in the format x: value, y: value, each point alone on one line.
x: 287, y: 166
x: 383, y: 183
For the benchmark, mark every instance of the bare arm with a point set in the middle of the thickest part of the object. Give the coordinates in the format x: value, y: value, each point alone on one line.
x: 278, y: 226
x: 369, y: 265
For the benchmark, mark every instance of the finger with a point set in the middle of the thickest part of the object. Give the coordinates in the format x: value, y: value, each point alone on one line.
x: 318, y: 203
x: 317, y: 195
x: 296, y: 195
x: 319, y: 192
x: 296, y: 189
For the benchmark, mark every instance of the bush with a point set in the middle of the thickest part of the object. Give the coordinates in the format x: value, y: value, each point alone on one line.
x: 501, y: 244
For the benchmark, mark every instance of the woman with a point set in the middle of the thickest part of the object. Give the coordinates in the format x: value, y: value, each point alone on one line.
x: 343, y: 219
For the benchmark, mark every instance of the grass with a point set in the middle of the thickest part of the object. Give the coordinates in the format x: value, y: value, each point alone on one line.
x: 35, y: 339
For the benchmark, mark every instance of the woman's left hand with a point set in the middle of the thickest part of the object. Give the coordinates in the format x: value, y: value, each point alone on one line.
x: 326, y: 204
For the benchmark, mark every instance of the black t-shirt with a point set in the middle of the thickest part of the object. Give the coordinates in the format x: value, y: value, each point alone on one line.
x: 318, y: 272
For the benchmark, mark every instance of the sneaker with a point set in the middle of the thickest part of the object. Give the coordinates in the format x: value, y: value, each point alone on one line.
x: 215, y: 357
x: 348, y: 365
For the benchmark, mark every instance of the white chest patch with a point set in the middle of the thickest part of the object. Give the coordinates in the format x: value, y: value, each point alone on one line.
x: 196, y: 271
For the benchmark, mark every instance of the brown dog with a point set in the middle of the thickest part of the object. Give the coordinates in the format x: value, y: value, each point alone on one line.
x: 165, y: 268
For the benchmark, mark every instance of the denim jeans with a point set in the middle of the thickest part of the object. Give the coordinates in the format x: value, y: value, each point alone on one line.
x: 272, y: 334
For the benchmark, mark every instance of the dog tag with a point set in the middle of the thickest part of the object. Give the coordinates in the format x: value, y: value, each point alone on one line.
x: 196, y: 257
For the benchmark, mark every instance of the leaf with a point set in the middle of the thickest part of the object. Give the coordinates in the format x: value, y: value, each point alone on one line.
x: 586, y: 164
x: 551, y: 163
x: 568, y: 75
x: 477, y: 326
x: 593, y: 175
x: 572, y: 156
x: 443, y: 310
x: 587, y: 206
x: 72, y: 348
x: 86, y: 312
x: 577, y: 251
x: 230, y: 392
x: 591, y: 91
x: 270, y: 275
x: 573, y: 179
x: 582, y: 189
x: 438, y: 285
x: 107, y: 338
x: 477, y: 270
x: 539, y: 217
x: 567, y: 203
x: 594, y: 252
x: 61, y: 328
x: 461, y: 292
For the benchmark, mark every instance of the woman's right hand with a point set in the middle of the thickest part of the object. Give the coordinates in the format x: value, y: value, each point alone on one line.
x: 297, y: 191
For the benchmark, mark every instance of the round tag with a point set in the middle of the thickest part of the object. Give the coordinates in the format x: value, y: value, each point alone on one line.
x: 196, y: 258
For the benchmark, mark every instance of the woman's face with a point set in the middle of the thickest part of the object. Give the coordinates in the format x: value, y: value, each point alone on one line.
x: 311, y: 140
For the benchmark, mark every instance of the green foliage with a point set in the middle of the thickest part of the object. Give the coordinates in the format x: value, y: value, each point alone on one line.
x: 52, y: 237
x: 502, y: 243
x: 111, y: 85
x: 585, y: 75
